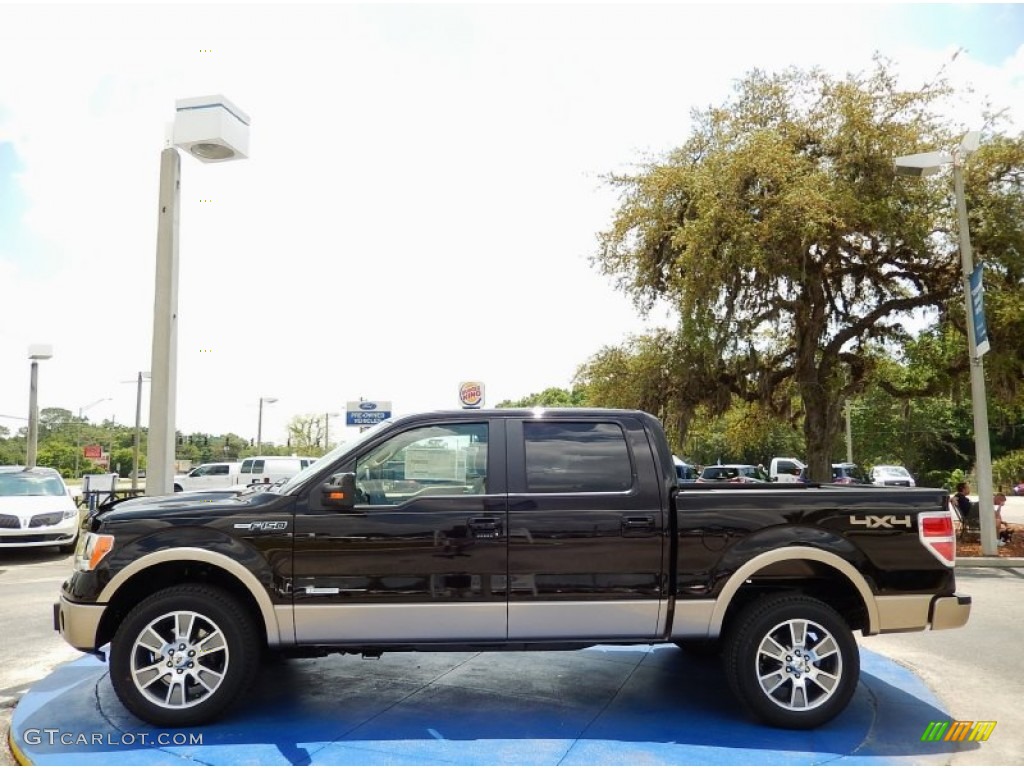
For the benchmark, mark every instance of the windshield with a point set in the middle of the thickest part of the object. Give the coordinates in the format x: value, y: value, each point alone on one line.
x: 895, y: 471
x: 27, y: 484
x: 329, y: 458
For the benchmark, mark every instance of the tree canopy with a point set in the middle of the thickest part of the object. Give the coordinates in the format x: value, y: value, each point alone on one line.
x: 796, y: 258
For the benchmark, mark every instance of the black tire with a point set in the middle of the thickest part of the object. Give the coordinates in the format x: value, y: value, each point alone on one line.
x: 786, y: 681
x: 178, y: 488
x: 192, y: 615
x: 700, y: 647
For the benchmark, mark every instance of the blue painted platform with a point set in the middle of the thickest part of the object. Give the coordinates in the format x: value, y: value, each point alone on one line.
x: 607, y: 705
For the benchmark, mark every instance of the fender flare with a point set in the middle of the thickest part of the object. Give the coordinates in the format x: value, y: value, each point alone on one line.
x: 748, y: 569
x: 178, y: 554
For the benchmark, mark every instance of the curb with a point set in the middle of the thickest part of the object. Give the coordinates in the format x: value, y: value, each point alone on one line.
x: 990, y: 562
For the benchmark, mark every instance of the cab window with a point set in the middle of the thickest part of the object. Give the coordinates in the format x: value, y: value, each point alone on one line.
x: 574, y: 457
x: 436, y: 460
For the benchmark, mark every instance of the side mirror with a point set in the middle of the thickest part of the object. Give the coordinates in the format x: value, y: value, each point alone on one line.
x: 339, y: 492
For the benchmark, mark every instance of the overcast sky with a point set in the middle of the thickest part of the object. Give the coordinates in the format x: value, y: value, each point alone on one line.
x: 423, y: 194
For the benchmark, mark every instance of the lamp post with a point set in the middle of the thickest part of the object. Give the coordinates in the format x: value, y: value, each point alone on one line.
x: 327, y: 430
x: 143, y: 376
x: 36, y: 352
x: 259, y: 425
x: 213, y: 130
x: 926, y: 164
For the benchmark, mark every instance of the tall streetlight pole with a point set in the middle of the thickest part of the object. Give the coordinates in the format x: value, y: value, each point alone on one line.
x: 143, y: 376
x: 259, y: 425
x: 327, y: 430
x: 36, y: 352
x: 926, y: 164
x: 213, y: 130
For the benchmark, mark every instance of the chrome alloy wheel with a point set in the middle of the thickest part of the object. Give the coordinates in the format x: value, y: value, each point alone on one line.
x: 799, y: 665
x: 179, y: 660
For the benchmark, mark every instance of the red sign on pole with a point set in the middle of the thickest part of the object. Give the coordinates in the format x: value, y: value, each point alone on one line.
x: 92, y: 451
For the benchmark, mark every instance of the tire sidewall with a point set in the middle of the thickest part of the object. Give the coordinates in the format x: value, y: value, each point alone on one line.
x: 224, y: 611
x: 741, y: 650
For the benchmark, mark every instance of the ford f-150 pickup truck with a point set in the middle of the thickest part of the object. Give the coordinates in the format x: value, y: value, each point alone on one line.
x: 508, y: 530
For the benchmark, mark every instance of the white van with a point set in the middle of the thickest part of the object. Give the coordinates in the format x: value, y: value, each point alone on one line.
x: 787, y: 470
x: 217, y: 474
x: 269, y: 469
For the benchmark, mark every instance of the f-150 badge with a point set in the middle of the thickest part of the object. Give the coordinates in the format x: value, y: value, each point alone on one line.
x: 263, y: 525
x: 882, y: 521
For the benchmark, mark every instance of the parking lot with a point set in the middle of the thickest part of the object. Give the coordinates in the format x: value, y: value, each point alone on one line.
x: 606, y: 705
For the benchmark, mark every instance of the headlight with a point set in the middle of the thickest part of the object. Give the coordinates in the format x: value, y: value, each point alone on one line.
x: 69, y: 513
x: 92, y: 548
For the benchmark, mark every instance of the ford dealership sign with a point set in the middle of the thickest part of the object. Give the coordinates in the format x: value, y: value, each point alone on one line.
x: 365, y: 413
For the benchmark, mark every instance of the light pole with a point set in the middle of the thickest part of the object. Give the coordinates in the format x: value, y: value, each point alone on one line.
x: 143, y: 376
x: 327, y: 430
x: 36, y: 352
x: 213, y: 130
x: 926, y: 164
x: 259, y: 425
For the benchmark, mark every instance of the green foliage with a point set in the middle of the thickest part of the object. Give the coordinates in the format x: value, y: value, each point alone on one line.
x: 793, y: 253
x: 552, y: 397
x: 306, y: 435
x: 1008, y: 471
x: 956, y: 477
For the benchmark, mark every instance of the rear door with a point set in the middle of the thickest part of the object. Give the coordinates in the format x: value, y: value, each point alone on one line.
x: 586, y: 530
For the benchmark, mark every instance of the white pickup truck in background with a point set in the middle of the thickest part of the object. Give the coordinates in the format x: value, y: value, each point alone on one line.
x: 787, y: 470
x: 255, y: 469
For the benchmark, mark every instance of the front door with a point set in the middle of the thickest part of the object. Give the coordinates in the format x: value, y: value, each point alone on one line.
x: 423, y: 555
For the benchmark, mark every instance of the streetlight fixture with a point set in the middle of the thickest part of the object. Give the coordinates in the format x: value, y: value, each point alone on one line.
x: 927, y: 164
x: 327, y: 430
x: 213, y: 130
x: 143, y: 376
x: 259, y: 426
x: 36, y: 352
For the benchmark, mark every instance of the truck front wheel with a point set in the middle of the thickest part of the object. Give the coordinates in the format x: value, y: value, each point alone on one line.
x: 183, y: 655
x: 792, y: 661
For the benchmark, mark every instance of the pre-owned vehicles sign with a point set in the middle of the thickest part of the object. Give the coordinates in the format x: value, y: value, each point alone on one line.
x: 363, y: 413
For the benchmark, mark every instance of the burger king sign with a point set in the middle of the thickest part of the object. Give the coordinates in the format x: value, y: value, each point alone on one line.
x: 471, y: 394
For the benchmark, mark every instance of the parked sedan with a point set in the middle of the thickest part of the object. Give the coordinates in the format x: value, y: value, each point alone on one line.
x: 732, y: 473
x: 36, y: 509
x: 891, y: 474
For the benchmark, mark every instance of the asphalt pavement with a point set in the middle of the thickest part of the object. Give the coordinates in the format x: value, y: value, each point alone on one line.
x: 607, y: 705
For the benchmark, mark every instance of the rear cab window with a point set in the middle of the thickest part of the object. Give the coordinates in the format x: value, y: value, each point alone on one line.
x: 576, y: 457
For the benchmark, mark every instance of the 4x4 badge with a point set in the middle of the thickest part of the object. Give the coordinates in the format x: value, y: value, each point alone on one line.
x: 263, y: 525
x: 881, y: 521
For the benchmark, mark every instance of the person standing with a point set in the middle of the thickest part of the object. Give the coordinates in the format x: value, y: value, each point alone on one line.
x: 963, y: 504
x: 1005, y: 534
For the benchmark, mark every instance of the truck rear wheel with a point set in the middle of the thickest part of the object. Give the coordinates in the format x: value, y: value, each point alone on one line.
x: 792, y: 661
x: 183, y: 655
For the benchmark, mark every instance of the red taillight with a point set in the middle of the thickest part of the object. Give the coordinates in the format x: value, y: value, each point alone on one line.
x: 937, y: 526
x: 935, y: 529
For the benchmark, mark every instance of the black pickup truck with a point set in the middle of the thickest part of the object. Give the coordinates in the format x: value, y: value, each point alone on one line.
x: 508, y: 530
